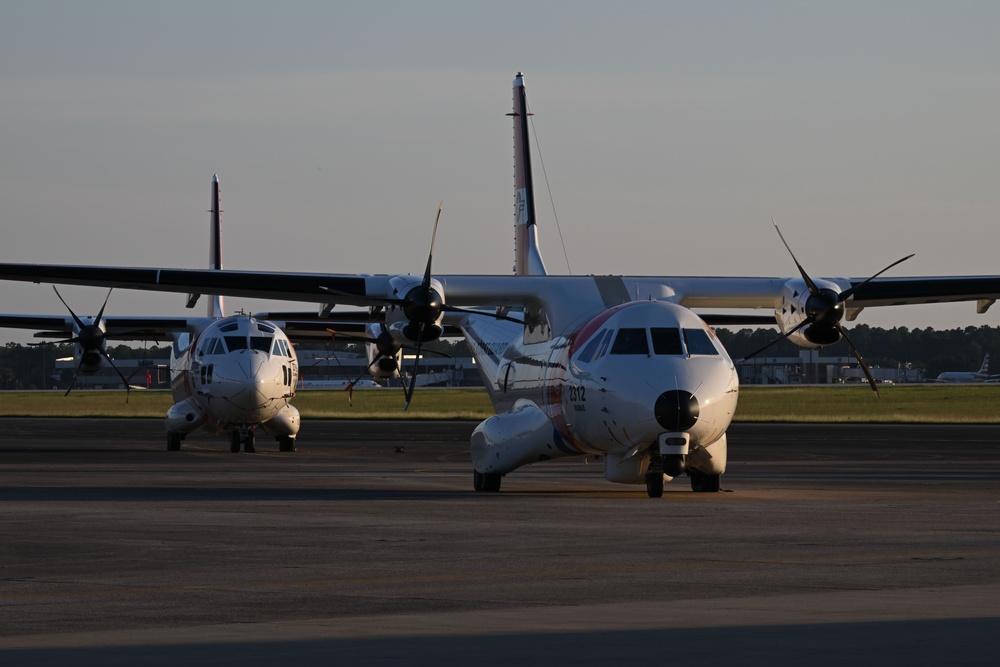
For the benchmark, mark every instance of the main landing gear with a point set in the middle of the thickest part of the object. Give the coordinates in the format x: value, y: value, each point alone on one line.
x: 174, y: 441
x: 484, y: 481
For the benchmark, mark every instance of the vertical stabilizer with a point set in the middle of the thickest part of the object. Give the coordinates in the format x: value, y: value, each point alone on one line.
x: 216, y: 305
x: 527, y: 258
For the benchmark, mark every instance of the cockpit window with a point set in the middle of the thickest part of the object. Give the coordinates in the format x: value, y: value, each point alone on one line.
x: 666, y: 341
x: 588, y: 352
x: 230, y: 326
x: 236, y: 343
x: 260, y: 343
x: 698, y: 342
x: 280, y: 348
x: 210, y: 347
x: 630, y: 341
x: 266, y: 328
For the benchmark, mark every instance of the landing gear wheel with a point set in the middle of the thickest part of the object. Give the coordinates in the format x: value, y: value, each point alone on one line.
x: 654, y: 484
x: 286, y: 444
x: 234, y: 442
x: 702, y: 483
x: 173, y: 441
x: 484, y: 481
x: 248, y: 443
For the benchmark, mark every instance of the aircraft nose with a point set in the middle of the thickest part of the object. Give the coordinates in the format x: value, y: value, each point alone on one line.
x: 676, y: 410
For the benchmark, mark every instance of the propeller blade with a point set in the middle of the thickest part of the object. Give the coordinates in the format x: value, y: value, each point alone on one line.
x: 861, y: 362
x: 844, y: 296
x: 413, y: 375
x: 805, y: 276
x: 100, y: 314
x: 456, y: 309
x: 72, y: 382
x: 76, y: 319
x: 430, y: 255
x: 350, y: 385
x: 128, y: 387
x: 779, y: 338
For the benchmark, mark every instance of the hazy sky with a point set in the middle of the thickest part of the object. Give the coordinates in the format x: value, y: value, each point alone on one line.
x: 671, y: 133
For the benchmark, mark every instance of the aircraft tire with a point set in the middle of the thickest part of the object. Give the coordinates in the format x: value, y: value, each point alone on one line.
x: 234, y: 442
x: 286, y: 444
x: 654, y: 484
x: 702, y: 483
x: 477, y: 480
x: 173, y: 441
x: 488, y: 482
x: 248, y: 444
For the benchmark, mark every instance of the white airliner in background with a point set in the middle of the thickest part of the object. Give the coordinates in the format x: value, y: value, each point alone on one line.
x: 617, y: 366
x: 982, y: 375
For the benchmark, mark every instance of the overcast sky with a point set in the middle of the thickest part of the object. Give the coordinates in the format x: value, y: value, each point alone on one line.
x: 671, y: 134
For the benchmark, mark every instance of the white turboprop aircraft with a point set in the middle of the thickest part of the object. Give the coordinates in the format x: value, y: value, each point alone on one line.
x: 229, y: 375
x: 617, y: 366
x: 982, y: 375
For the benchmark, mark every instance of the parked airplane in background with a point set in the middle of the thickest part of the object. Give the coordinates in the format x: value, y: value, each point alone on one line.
x: 617, y: 366
x: 982, y: 375
x: 229, y: 375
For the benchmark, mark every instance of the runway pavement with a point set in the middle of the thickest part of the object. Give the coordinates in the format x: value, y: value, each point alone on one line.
x: 368, y: 546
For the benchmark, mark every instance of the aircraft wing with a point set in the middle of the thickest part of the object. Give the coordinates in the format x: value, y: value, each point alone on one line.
x: 563, y: 297
x: 118, y: 328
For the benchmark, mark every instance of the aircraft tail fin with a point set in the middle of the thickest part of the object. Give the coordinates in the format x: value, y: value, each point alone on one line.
x: 985, y: 368
x: 216, y: 305
x: 527, y: 258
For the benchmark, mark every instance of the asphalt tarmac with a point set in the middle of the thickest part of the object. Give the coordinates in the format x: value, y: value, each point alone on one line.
x: 830, y: 545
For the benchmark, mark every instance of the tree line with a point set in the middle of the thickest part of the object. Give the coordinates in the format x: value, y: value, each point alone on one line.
x: 34, y: 367
x: 934, y: 351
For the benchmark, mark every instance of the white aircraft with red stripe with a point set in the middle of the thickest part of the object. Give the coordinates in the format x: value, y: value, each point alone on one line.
x: 623, y: 367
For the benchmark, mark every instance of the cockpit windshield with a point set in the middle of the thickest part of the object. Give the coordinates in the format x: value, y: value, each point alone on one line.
x: 666, y: 341
x: 698, y: 342
x: 261, y: 343
x: 630, y: 341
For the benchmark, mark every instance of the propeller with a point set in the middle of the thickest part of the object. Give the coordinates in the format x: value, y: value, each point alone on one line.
x: 91, y: 339
x: 825, y: 311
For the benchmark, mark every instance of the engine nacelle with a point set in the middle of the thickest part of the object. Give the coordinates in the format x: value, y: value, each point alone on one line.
x: 418, y: 317
x: 388, y: 351
x: 508, y: 441
x: 797, y: 304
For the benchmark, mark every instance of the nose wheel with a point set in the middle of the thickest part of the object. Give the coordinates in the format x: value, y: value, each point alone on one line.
x: 654, y: 484
x: 238, y: 438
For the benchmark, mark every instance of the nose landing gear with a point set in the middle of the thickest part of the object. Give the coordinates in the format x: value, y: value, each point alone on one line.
x: 671, y: 465
x: 243, y: 437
